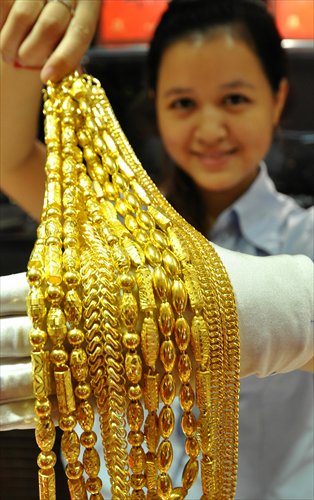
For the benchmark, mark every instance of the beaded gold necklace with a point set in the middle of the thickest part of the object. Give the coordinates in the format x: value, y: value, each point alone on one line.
x: 130, y: 307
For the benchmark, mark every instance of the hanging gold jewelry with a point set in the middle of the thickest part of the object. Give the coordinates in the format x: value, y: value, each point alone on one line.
x: 130, y: 305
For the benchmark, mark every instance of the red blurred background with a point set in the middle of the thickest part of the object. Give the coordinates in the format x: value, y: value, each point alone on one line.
x: 133, y: 21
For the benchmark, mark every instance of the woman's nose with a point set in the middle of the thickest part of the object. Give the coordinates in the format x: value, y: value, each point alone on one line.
x: 210, y: 126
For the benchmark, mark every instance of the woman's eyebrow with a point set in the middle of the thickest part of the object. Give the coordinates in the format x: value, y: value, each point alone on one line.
x: 177, y: 91
x: 236, y: 84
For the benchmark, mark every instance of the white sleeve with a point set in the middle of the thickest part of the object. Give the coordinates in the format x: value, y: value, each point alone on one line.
x: 16, y: 394
x: 274, y: 297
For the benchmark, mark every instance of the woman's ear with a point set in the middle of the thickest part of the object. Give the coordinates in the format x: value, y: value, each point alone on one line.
x: 280, y: 99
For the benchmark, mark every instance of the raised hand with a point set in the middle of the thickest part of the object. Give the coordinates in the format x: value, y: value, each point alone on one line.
x: 47, y: 35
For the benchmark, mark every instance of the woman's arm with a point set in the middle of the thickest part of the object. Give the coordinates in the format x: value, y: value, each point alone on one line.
x: 22, y: 156
x: 49, y: 43
x: 275, y: 299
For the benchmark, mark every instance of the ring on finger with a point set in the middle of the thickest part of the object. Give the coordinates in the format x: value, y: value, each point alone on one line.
x: 69, y: 4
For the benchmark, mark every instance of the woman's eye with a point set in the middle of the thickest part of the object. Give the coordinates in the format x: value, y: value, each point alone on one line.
x: 183, y: 103
x: 235, y: 100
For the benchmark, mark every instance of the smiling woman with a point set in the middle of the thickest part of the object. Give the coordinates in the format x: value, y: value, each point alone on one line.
x: 216, y: 113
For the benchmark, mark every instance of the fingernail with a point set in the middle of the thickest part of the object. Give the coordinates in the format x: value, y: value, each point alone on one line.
x: 48, y: 74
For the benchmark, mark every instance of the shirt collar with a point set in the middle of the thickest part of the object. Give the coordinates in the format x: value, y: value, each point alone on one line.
x: 259, y: 213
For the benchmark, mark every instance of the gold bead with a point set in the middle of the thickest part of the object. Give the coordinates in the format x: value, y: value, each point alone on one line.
x: 129, y: 310
x: 190, y: 474
x: 46, y: 460
x: 74, y: 471
x: 192, y: 447
x: 138, y: 481
x: 150, y: 341
x: 141, y: 236
x: 93, y: 484
x: 145, y: 220
x: 152, y: 254
x: 186, y: 397
x: 82, y: 391
x: 136, y: 438
x: 164, y: 486
x: 182, y: 333
x: 59, y: 356
x: 164, y: 455
x: 85, y: 415
x: 121, y: 207
x: 70, y: 446
x: 179, y: 296
x: 151, y: 475
x: 67, y: 422
x: 127, y: 282
x: 91, y: 462
x: 159, y: 238
x: 161, y: 282
x: 72, y: 278
x: 88, y: 439
x: 137, y: 459
x: 36, y: 308
x: 166, y: 422
x: 168, y: 355
x: 167, y: 388
x: 64, y: 390
x: 184, y: 368
x: 45, y: 434
x: 34, y: 277
x: 171, y: 263
x: 130, y: 223
x: 178, y: 494
x: 73, y: 307
x: 54, y: 293
x: 166, y: 319
x: 133, y: 367
x: 131, y: 201
x: 131, y: 340
x: 75, y: 336
x: 37, y: 337
x: 79, y: 364
x: 188, y: 424
x: 135, y: 392
x: 56, y: 324
x: 77, y: 486
x: 43, y: 408
x: 135, y: 415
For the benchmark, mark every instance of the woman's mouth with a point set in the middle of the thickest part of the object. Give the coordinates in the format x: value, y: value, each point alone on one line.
x: 214, y: 159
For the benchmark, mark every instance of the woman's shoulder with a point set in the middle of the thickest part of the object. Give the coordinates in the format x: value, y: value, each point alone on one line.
x: 296, y: 231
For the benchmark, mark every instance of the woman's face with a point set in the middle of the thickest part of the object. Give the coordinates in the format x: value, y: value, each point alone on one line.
x: 216, y: 111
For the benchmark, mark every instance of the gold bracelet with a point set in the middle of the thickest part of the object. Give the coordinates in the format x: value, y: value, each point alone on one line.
x: 130, y: 305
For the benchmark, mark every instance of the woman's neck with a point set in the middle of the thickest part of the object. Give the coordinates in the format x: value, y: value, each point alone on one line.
x: 215, y: 202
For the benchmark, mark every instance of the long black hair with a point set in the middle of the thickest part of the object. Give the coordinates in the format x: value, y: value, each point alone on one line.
x: 248, y: 20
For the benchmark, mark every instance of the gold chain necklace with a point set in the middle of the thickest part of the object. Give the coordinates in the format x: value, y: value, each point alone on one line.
x: 130, y: 305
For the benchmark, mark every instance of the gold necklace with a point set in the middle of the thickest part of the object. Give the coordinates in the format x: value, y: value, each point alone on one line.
x: 130, y: 305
